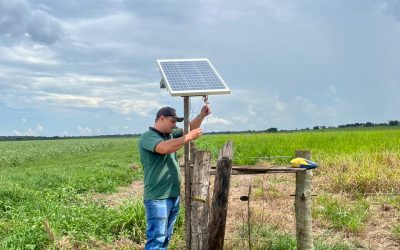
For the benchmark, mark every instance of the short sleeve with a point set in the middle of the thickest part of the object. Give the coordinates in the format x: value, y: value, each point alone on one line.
x: 176, y: 133
x: 149, y: 141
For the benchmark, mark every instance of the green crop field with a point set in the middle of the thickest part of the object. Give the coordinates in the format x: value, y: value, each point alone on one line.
x: 46, y: 188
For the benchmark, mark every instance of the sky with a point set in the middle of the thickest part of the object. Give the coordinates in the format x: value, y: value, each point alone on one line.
x: 85, y: 67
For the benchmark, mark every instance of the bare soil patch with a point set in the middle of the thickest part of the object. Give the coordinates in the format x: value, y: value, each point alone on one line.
x: 131, y: 192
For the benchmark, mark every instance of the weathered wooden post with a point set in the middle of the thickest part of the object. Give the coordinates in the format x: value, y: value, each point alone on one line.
x: 219, y: 207
x: 303, y: 205
x: 199, y: 199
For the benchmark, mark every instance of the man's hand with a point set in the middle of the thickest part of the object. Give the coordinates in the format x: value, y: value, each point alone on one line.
x: 205, y: 110
x: 194, y: 134
x: 172, y: 145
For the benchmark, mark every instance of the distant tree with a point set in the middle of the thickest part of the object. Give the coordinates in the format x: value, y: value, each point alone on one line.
x: 394, y: 123
x: 272, y: 130
x: 369, y: 124
x: 316, y: 127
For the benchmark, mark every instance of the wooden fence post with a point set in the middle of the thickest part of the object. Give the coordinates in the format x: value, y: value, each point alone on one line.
x: 199, y: 199
x: 303, y: 205
x: 216, y: 227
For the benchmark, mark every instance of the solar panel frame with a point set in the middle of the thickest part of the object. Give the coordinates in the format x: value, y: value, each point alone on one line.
x: 179, y: 84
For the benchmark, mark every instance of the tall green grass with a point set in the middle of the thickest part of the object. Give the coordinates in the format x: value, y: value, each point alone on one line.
x: 323, y: 144
x: 350, y: 160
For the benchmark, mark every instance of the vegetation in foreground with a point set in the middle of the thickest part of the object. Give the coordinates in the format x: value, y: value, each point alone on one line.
x: 45, y: 186
x: 43, y: 190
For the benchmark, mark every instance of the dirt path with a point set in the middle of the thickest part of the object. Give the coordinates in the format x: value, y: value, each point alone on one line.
x: 131, y: 192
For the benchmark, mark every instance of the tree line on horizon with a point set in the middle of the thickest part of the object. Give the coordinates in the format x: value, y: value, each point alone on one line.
x: 269, y: 130
x: 350, y: 125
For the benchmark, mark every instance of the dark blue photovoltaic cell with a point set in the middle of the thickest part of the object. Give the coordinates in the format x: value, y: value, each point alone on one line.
x: 191, y: 75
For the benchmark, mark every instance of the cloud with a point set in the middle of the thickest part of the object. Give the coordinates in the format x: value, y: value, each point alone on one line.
x: 120, y: 94
x: 240, y: 118
x: 29, y: 132
x: 84, y: 131
x: 332, y: 90
x: 127, y: 106
x: 184, y: 12
x: 76, y: 82
x: 280, y: 106
x: 214, y: 120
x: 44, y: 28
x: 392, y: 8
x: 23, y: 120
x: 29, y: 54
x: 251, y: 110
x: 14, y: 17
x: 70, y: 100
x: 234, y: 11
x: 39, y: 128
x: 138, y: 104
x: 18, y: 20
x: 123, y: 103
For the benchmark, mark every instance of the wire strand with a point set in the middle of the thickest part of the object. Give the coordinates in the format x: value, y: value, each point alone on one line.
x: 205, y: 125
x: 194, y: 111
x: 315, y: 155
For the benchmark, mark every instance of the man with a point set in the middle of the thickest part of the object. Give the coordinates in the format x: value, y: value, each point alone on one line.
x: 158, y: 148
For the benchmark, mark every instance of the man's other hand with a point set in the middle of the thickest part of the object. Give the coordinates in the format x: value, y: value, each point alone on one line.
x: 195, y: 133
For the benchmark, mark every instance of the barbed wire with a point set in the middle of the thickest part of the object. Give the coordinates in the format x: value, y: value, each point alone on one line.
x: 272, y: 157
x: 322, y: 155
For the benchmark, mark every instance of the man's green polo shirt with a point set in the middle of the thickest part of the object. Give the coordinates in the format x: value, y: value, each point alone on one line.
x: 161, y: 171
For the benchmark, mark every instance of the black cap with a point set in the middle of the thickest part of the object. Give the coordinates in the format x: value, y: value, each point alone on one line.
x: 168, y: 111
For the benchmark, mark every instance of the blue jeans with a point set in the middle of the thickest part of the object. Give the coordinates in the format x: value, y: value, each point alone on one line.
x: 160, y: 218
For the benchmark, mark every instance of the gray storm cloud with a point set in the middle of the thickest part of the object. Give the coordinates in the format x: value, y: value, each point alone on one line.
x: 393, y: 9
x: 17, y: 19
x: 43, y: 28
x: 13, y: 17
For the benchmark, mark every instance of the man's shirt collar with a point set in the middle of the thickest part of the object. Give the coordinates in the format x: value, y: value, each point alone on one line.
x: 163, y: 135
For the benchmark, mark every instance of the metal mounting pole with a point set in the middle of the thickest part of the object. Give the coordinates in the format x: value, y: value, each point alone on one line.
x: 188, y: 209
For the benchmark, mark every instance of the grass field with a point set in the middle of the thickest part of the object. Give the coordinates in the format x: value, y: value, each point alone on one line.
x: 46, y: 188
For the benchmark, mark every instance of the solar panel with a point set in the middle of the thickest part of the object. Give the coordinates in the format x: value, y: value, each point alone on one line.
x: 191, y: 77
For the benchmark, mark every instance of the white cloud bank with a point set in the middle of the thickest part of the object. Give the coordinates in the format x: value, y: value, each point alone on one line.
x: 39, y: 130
